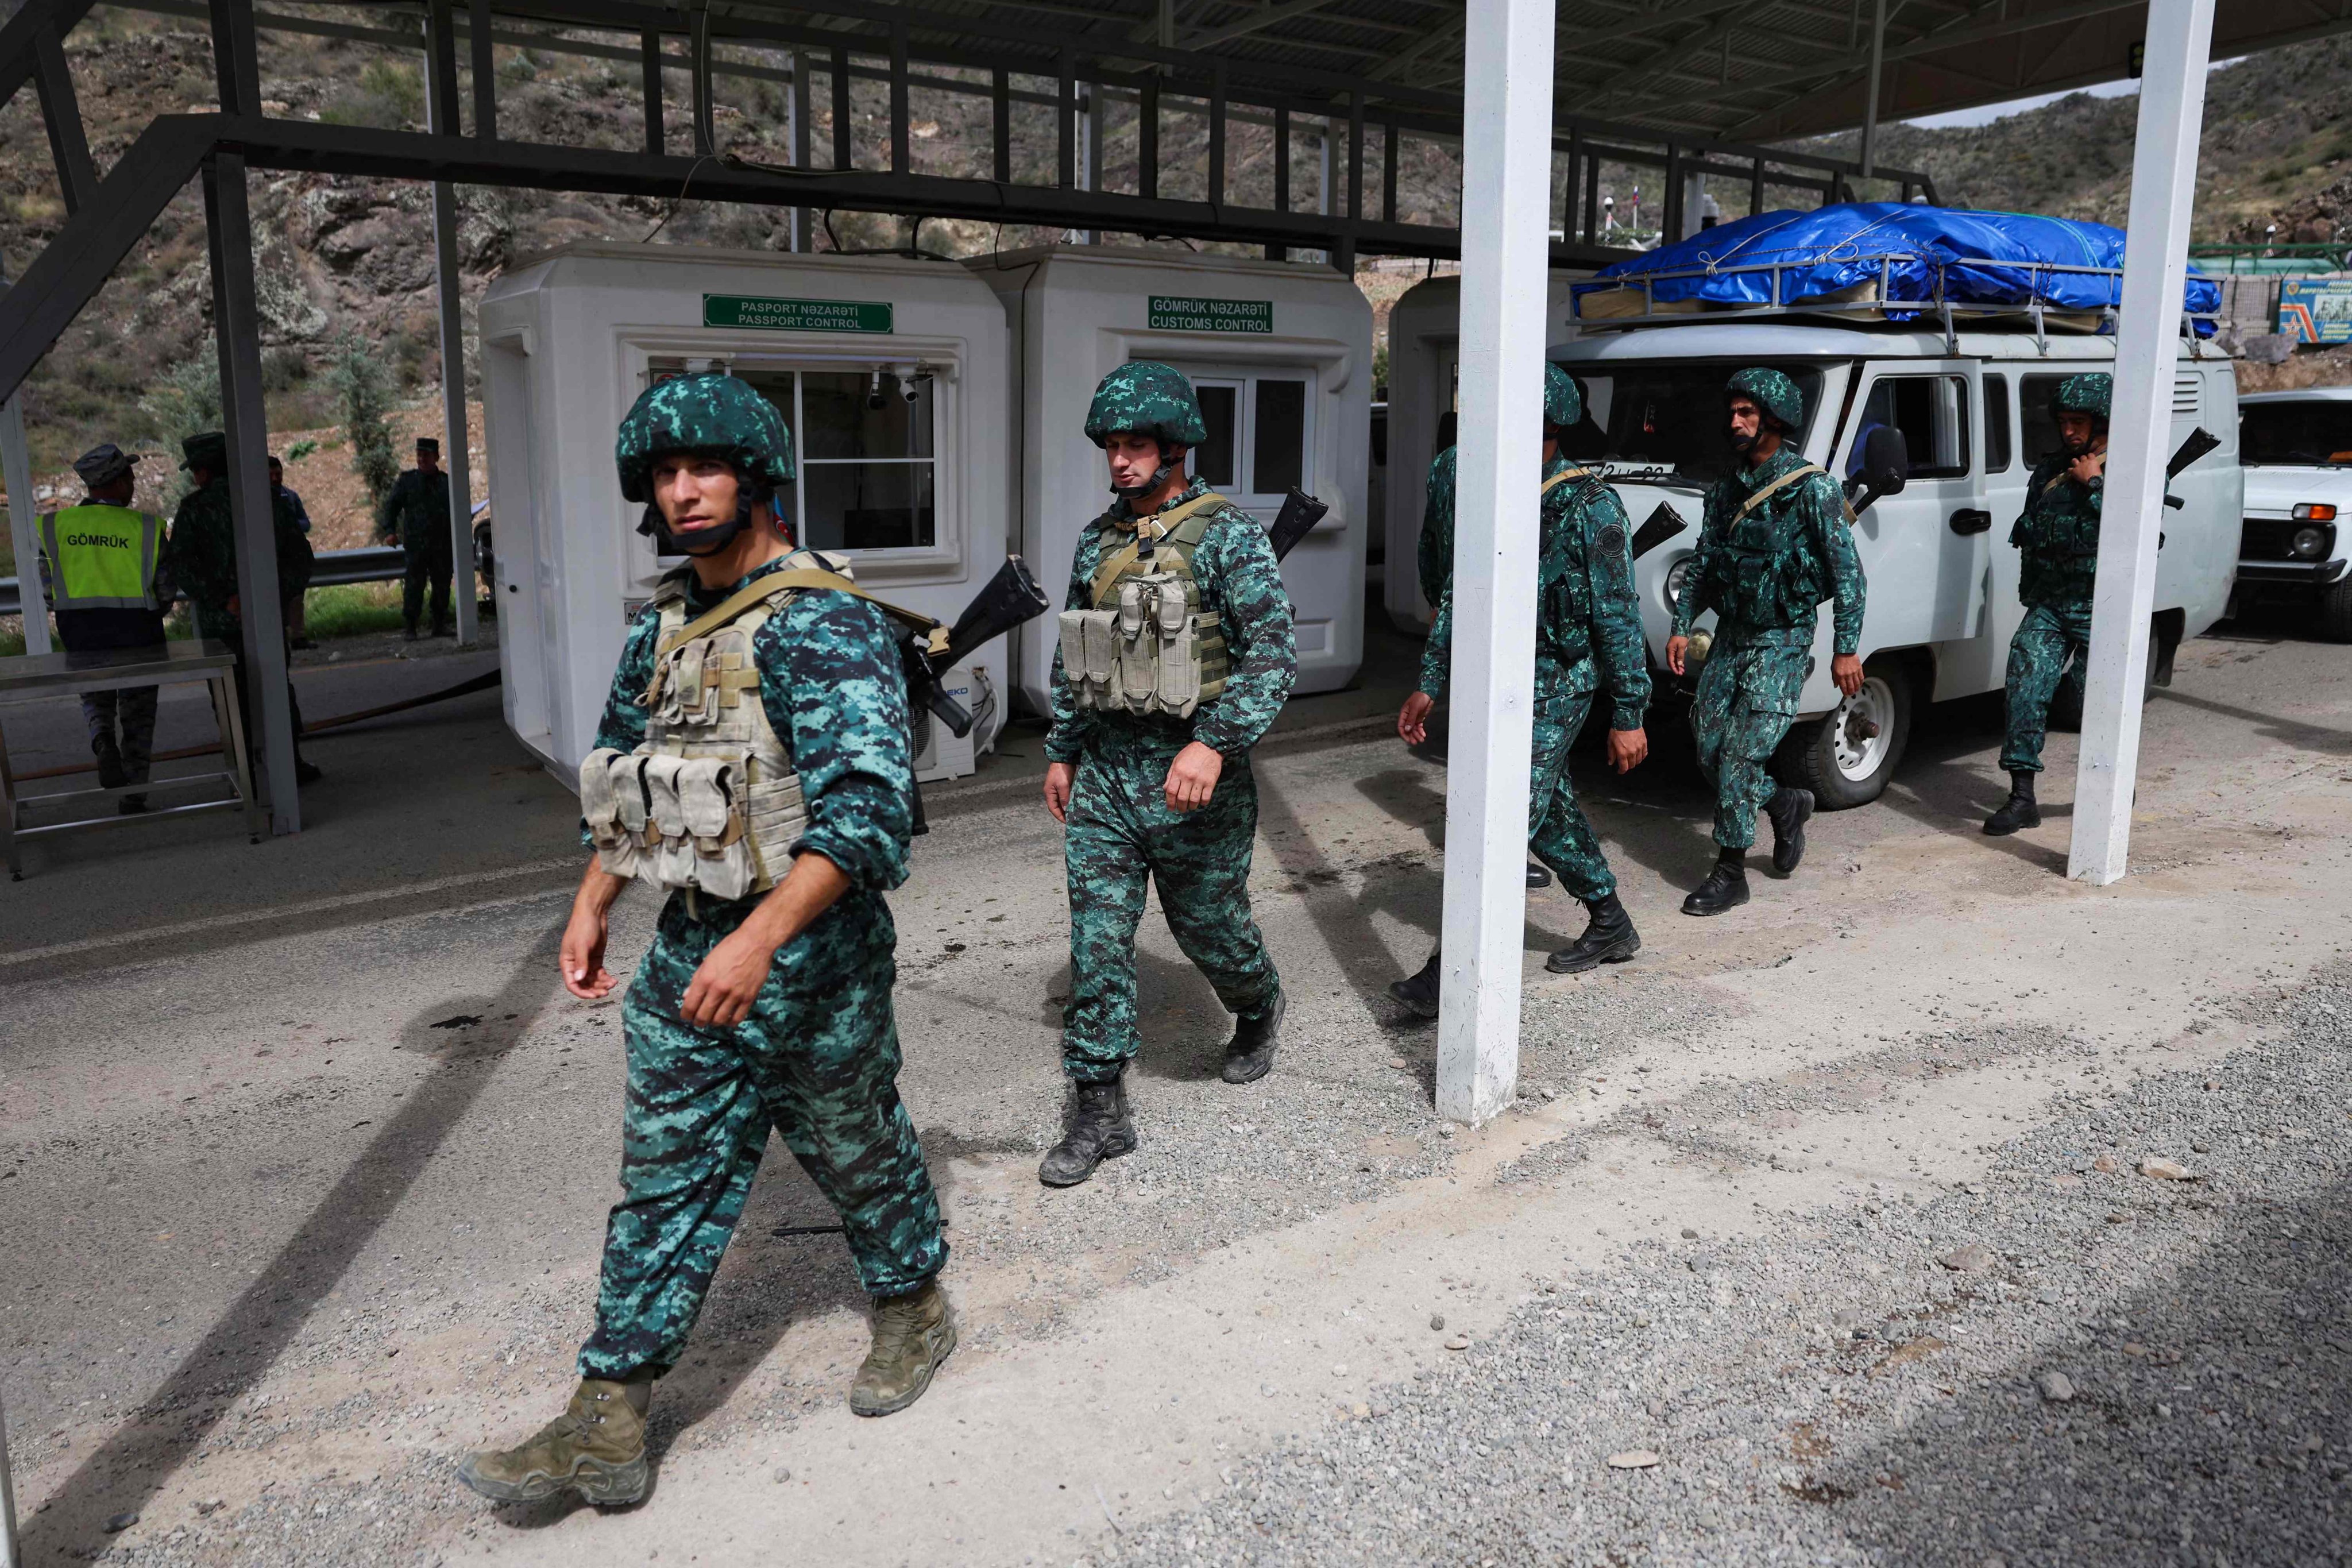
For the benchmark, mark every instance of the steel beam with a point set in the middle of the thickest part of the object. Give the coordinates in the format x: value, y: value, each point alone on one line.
x: 2147, y: 345
x: 17, y: 474
x: 485, y: 74
x: 19, y: 58
x: 456, y: 459
x: 236, y: 330
x: 61, y: 113
x: 1506, y: 205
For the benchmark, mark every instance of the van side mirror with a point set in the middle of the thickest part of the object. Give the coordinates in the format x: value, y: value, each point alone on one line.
x: 1885, y: 466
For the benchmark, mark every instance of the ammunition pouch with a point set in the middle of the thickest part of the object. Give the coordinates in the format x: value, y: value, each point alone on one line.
x: 1147, y: 646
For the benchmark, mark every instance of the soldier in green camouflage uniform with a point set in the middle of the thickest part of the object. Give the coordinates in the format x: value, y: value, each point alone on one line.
x: 2057, y: 539
x: 1775, y: 541
x: 1588, y: 631
x: 768, y: 1011
x: 200, y: 558
x: 1158, y: 798
x: 416, y: 514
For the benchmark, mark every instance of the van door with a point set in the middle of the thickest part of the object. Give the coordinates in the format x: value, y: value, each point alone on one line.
x: 1923, y: 550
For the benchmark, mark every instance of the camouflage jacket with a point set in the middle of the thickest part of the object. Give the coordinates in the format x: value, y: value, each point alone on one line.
x: 831, y: 684
x: 1436, y: 560
x: 1241, y: 584
x: 417, y: 511
x: 1588, y: 621
x: 1793, y: 551
x: 200, y: 556
x: 2057, y: 537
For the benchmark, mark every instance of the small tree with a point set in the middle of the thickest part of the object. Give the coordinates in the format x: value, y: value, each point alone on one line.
x: 185, y: 400
x: 364, y: 388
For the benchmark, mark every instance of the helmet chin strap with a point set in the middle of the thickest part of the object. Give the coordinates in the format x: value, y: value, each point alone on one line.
x: 1159, y: 476
x: 707, y: 541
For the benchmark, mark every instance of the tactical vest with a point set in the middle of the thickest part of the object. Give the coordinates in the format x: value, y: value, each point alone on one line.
x: 1762, y: 575
x: 101, y: 557
x: 2058, y: 547
x: 1567, y: 622
x: 708, y: 802
x: 1146, y: 646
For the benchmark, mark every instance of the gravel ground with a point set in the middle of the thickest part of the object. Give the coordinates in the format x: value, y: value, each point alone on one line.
x: 2127, y: 1369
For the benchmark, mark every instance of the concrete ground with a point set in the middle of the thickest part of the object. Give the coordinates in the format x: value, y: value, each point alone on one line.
x: 306, y: 1157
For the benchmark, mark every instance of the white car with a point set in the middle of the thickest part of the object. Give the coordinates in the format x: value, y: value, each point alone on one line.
x: 2297, y: 449
x: 1973, y: 413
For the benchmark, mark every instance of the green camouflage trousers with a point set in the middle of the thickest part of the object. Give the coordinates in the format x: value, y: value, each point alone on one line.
x: 1120, y: 833
x: 1557, y: 833
x: 2038, y: 661
x: 820, y: 1069
x: 1747, y: 697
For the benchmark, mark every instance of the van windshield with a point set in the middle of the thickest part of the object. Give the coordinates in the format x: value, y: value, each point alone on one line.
x: 1665, y: 418
x: 2314, y: 433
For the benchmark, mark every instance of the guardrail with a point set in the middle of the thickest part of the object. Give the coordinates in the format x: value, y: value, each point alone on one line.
x: 369, y: 564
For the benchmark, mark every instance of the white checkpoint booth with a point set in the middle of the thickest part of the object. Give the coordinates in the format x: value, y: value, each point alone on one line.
x: 890, y: 373
x: 1281, y: 354
x: 1424, y: 357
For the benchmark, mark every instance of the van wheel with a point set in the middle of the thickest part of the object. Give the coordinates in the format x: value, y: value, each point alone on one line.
x: 2335, y: 612
x: 1846, y: 756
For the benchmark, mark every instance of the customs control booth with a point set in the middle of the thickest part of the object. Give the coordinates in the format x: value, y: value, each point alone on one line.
x: 1282, y: 355
x: 891, y: 374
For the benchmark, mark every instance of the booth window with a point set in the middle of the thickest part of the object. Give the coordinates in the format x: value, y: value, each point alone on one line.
x: 867, y: 456
x: 1259, y: 426
x: 1932, y: 412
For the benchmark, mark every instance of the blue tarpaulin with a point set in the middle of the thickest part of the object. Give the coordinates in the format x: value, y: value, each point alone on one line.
x: 1890, y: 255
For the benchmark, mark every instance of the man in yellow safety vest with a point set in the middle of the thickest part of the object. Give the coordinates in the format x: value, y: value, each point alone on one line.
x: 98, y: 560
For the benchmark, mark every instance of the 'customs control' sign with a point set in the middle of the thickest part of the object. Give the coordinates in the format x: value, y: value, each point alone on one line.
x: 796, y: 315
x: 1176, y: 313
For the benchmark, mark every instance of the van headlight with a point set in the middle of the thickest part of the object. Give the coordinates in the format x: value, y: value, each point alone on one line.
x: 1678, y: 576
x: 2309, y: 544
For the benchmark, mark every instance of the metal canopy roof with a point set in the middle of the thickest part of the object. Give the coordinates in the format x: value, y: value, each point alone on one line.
x: 1741, y: 69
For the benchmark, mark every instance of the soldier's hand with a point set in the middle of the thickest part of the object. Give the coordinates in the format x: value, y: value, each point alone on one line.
x: 1846, y: 670
x: 1192, y: 776
x: 1412, y: 718
x: 584, y: 975
x: 2088, y: 466
x: 726, y: 983
x: 1627, y: 749
x: 1676, y: 649
x: 1059, y: 779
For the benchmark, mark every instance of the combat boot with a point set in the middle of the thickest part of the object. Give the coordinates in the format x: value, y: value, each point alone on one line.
x: 112, y: 775
x: 1610, y: 938
x: 1538, y: 876
x: 1249, y: 1055
x: 1096, y: 1127
x: 1418, y: 992
x: 2018, y: 811
x: 596, y: 1447
x: 1726, y: 887
x: 912, y: 1335
x: 1788, y: 809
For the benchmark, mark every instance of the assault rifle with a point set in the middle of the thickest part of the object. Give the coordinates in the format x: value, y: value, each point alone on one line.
x: 929, y: 649
x: 2197, y: 442
x: 1299, y: 514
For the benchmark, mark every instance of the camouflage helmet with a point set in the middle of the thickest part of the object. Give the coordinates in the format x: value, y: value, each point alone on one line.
x: 717, y: 415
x: 1770, y: 391
x: 1144, y: 397
x: 1563, y: 403
x: 2089, y: 394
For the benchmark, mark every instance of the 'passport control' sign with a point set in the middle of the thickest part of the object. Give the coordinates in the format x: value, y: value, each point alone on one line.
x: 796, y: 315
x: 1176, y: 313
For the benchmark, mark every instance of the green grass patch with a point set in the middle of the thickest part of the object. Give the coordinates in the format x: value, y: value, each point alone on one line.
x: 353, y: 609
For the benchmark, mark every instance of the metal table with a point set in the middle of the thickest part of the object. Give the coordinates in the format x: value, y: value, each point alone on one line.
x: 211, y: 664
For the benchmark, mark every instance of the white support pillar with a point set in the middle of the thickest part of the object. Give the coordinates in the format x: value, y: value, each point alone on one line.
x: 2131, y: 512
x: 16, y: 473
x: 456, y: 451
x: 1505, y: 204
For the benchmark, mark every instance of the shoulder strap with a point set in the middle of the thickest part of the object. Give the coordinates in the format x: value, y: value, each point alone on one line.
x: 782, y: 585
x: 1783, y: 483
x: 1561, y: 478
x: 1182, y: 526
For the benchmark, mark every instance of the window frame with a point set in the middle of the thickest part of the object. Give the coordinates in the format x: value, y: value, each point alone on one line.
x: 1244, y: 379
x: 1961, y: 406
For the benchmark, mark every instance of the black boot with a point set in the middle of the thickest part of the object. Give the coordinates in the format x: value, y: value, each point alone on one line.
x: 1788, y: 809
x: 1609, y: 939
x: 1096, y: 1127
x: 1418, y: 992
x: 110, y: 772
x: 1538, y: 876
x: 1249, y: 1055
x: 1726, y: 887
x: 2018, y: 811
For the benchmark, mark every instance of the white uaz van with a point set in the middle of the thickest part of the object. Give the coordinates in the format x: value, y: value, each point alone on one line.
x: 2297, y: 449
x: 1973, y: 410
